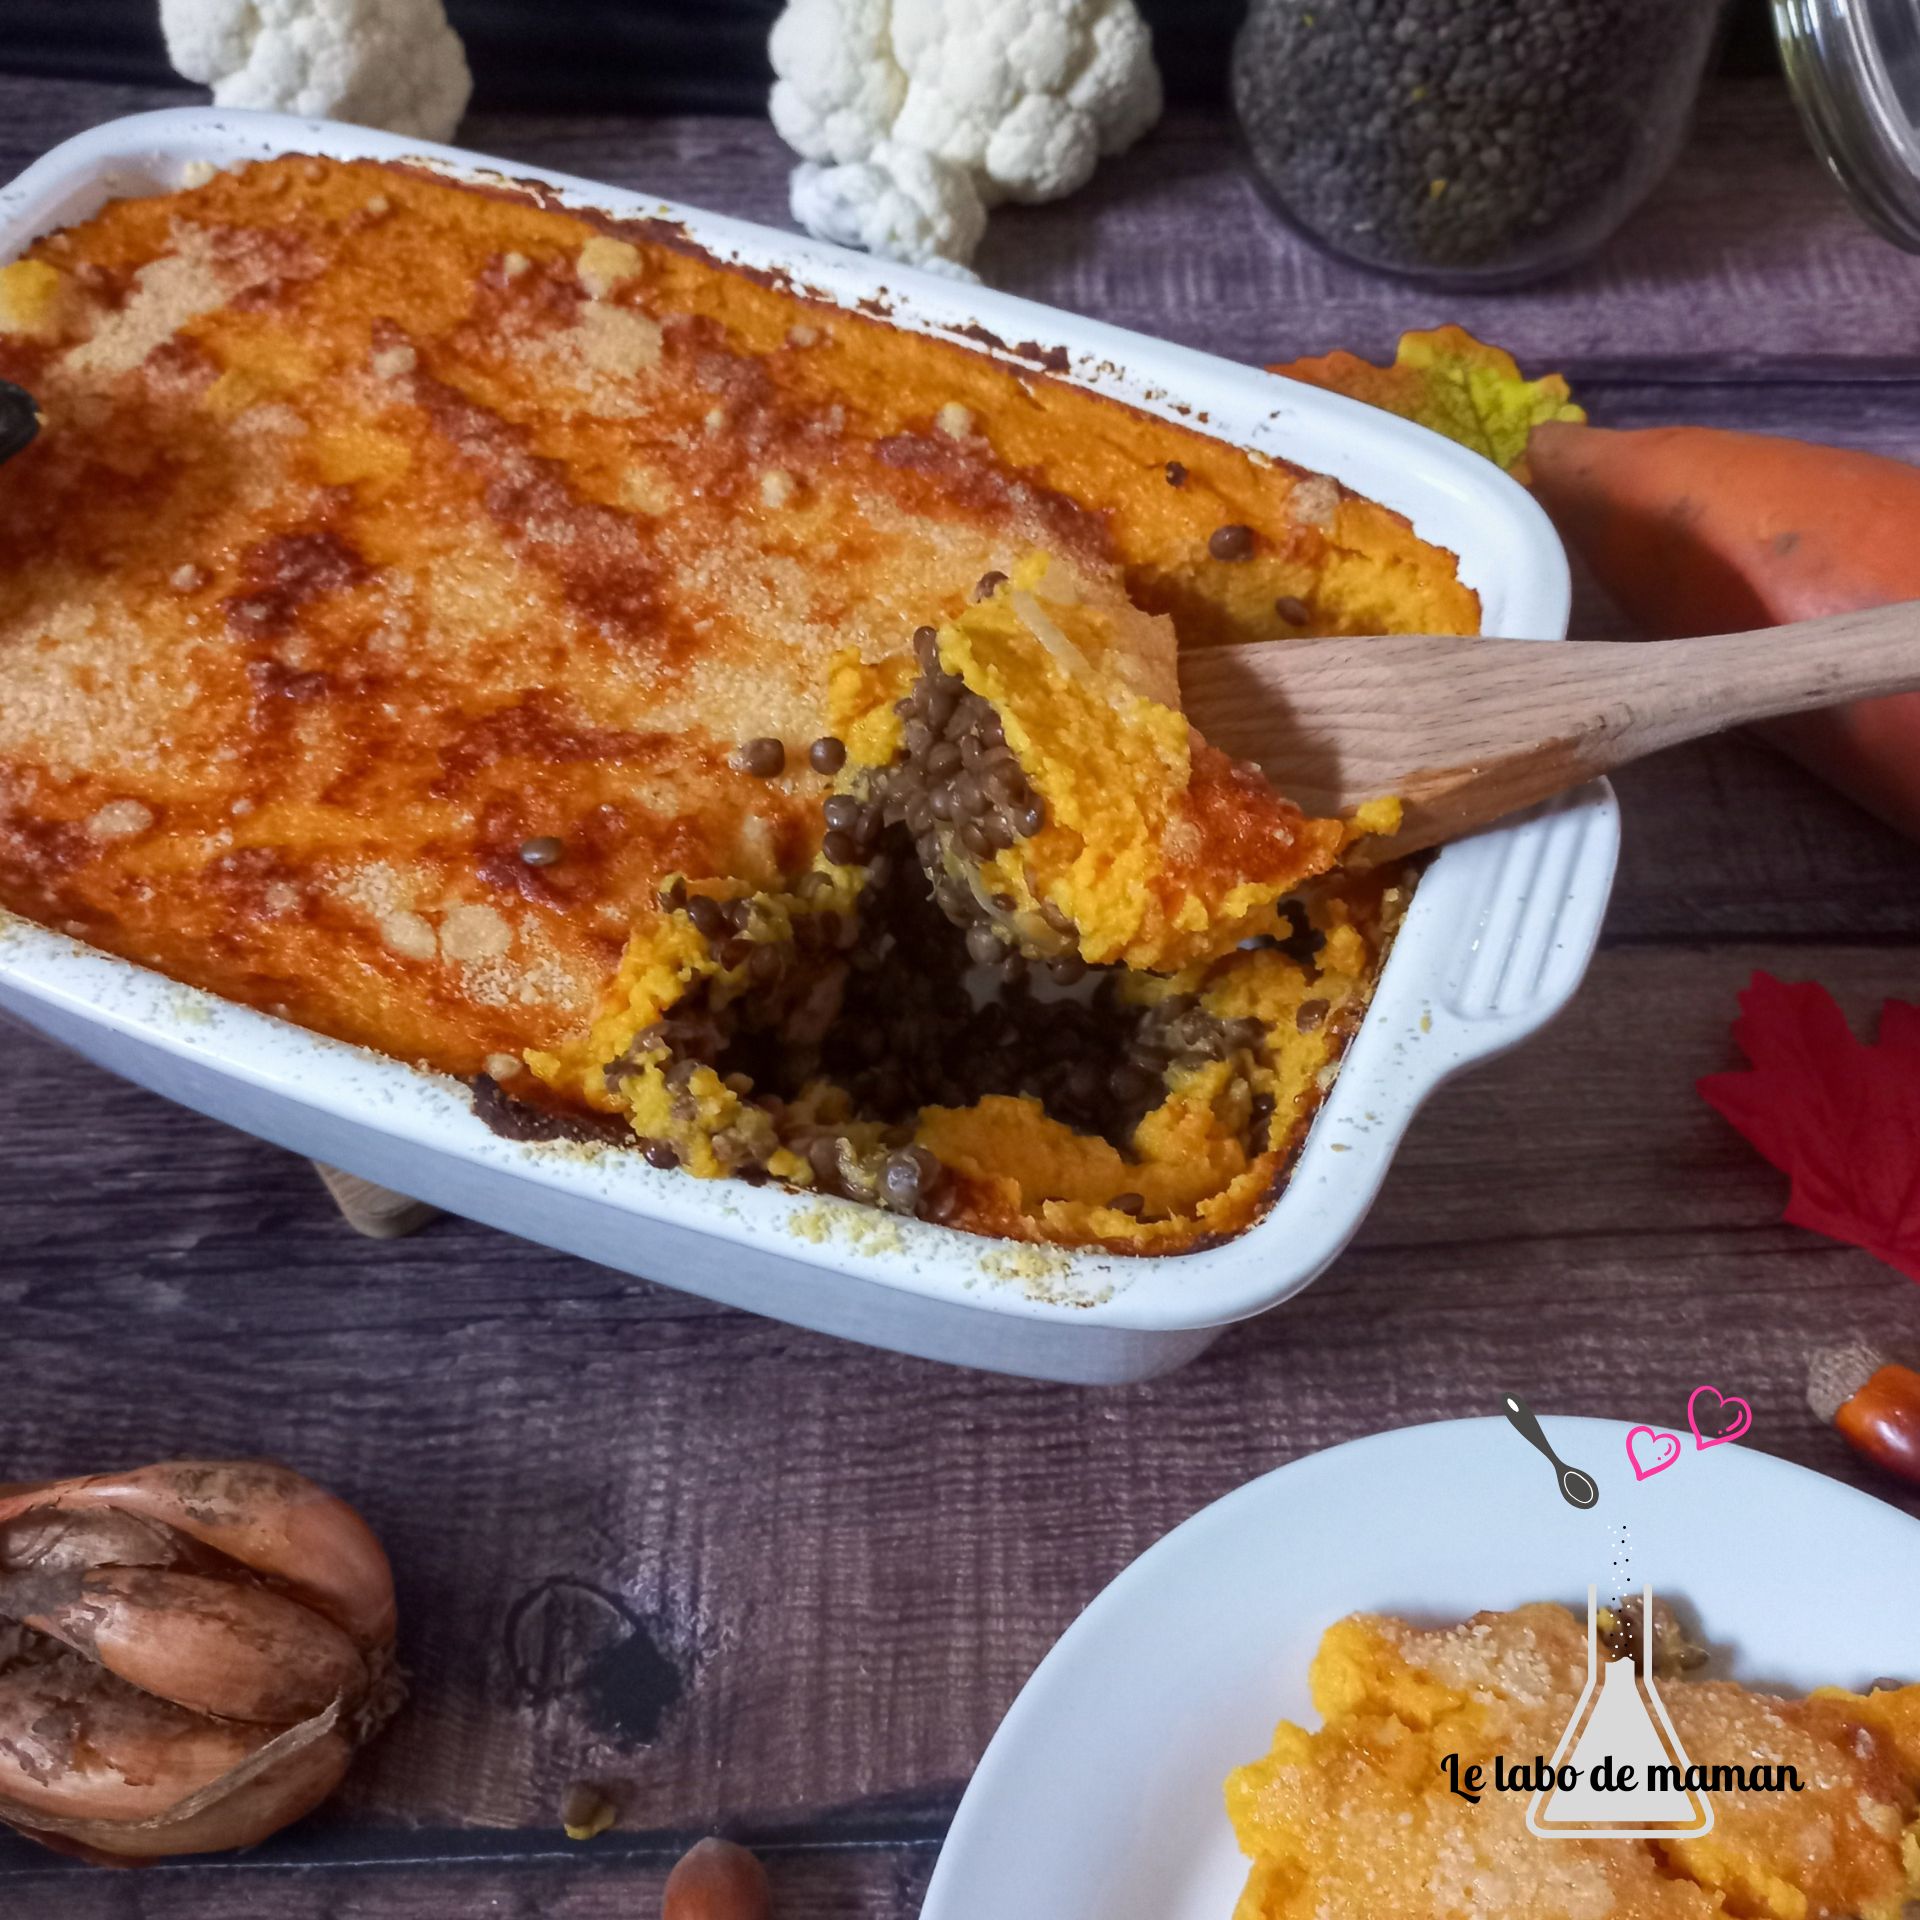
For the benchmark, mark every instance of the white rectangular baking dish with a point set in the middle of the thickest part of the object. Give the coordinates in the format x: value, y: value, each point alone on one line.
x: 1499, y: 934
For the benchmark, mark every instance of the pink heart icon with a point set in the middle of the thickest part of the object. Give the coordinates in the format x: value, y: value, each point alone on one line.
x: 1727, y: 1414
x: 1664, y: 1449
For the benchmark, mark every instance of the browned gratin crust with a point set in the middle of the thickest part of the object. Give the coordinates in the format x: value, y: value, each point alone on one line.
x: 381, y: 526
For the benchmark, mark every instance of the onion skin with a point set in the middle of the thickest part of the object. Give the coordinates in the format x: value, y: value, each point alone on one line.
x: 267, y: 1517
x: 189, y: 1655
x: 244, y: 1653
x: 243, y: 1819
x: 75, y: 1746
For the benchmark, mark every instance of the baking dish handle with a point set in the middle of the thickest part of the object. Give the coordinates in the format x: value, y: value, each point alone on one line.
x: 1533, y: 897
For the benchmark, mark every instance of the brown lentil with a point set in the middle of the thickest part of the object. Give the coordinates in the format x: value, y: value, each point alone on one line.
x: 984, y: 945
x: 543, y: 850
x: 1231, y: 542
x: 989, y: 584
x: 905, y: 1175
x: 880, y: 1000
x: 1295, y: 612
x: 763, y: 757
x: 1176, y: 474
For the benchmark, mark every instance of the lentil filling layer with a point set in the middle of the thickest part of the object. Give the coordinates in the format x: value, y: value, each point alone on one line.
x: 893, y: 1008
x: 920, y: 1021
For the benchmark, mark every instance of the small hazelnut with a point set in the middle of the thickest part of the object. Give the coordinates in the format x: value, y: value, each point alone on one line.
x: 717, y: 1880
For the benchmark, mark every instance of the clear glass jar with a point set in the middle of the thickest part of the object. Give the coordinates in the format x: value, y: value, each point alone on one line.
x: 1855, y: 69
x: 1468, y: 142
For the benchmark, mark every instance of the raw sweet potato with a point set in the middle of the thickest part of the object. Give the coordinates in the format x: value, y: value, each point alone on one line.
x: 1697, y: 530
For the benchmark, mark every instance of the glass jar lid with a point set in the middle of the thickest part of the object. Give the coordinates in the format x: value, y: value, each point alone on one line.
x: 1855, y: 70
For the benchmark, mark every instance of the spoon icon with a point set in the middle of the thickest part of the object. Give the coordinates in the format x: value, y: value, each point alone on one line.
x: 1577, y: 1489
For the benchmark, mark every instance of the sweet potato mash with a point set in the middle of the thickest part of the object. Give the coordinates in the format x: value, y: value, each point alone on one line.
x: 509, y: 638
x: 1358, y: 1818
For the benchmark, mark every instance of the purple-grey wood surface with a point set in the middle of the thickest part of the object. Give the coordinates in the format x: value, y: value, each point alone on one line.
x: 766, y: 1582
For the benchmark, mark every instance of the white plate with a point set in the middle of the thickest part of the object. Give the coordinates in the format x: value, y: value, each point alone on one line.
x: 1100, y: 1796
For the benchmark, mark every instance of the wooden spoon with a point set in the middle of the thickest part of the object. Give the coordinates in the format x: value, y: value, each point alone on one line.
x: 1465, y: 731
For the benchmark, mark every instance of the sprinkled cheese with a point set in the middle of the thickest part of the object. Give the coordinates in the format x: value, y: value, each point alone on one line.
x: 604, y: 262
x: 409, y: 935
x: 475, y: 933
x: 120, y: 820
x: 168, y: 293
x: 1314, y: 501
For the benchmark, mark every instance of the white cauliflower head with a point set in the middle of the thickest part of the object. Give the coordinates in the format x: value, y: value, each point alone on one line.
x: 1022, y: 96
x: 837, y: 87
x: 1027, y: 94
x: 899, y: 202
x: 396, y: 64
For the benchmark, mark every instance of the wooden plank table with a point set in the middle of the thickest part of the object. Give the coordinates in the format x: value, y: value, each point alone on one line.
x: 772, y: 1583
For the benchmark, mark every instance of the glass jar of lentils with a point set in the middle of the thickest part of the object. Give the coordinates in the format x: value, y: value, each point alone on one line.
x: 1470, y: 142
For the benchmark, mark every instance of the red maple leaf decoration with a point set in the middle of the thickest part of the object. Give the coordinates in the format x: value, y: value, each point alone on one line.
x: 1842, y: 1118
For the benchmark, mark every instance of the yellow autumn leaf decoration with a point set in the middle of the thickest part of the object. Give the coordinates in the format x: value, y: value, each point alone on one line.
x: 1447, y: 380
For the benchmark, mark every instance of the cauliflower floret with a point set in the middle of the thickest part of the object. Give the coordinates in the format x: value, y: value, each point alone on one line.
x: 1118, y: 84
x: 1021, y: 96
x: 396, y: 64
x: 899, y: 202
x: 1027, y: 97
x: 839, y: 86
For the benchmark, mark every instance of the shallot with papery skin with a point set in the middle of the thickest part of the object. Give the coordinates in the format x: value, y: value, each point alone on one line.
x: 189, y: 1655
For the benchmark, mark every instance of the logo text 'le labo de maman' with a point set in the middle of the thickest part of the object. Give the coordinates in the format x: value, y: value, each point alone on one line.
x: 1619, y: 1771
x: 1539, y: 1774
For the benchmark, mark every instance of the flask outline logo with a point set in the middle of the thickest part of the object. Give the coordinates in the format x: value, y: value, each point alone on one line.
x: 1639, y: 1703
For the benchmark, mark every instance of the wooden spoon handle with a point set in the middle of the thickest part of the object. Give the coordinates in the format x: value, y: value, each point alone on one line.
x: 378, y: 1212
x: 1465, y: 731
x: 1681, y: 689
